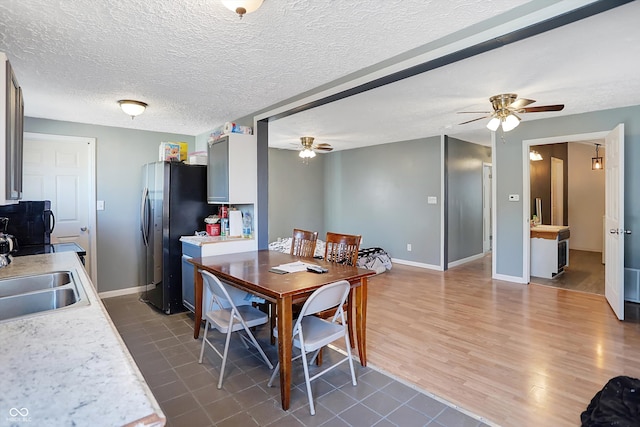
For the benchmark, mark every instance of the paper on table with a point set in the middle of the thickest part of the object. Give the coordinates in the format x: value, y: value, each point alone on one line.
x: 294, y: 267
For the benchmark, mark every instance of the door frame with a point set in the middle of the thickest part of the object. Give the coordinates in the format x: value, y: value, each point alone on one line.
x: 526, y: 188
x: 487, y: 207
x: 91, y: 203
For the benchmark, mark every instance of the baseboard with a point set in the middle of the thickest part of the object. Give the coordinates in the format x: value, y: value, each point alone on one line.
x: 120, y: 292
x: 416, y: 264
x: 514, y: 279
x: 466, y: 260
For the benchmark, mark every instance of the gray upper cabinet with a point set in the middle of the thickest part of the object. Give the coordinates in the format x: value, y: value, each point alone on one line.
x: 232, y: 170
x: 12, y: 132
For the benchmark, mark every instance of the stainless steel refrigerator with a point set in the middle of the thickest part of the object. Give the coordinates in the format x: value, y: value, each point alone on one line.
x: 174, y: 204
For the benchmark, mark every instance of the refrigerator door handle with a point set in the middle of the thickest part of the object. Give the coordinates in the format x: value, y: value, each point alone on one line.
x: 52, y: 224
x: 144, y: 214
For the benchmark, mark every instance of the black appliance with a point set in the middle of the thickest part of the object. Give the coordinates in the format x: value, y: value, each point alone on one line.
x: 31, y: 223
x: 173, y: 205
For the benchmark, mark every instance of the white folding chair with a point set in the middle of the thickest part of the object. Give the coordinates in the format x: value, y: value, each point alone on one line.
x: 311, y: 333
x: 228, y: 318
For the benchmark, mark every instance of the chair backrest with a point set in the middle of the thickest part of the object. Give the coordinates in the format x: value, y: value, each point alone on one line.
x: 219, y: 292
x: 324, y: 298
x: 342, y: 248
x: 303, y: 243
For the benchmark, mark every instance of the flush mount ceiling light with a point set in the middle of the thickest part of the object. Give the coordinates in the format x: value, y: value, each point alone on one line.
x: 534, y: 156
x: 242, y: 6
x: 596, y: 162
x: 132, y: 108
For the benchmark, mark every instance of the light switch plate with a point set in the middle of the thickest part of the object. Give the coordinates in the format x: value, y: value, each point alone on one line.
x: 100, y: 205
x: 432, y: 200
x: 514, y: 197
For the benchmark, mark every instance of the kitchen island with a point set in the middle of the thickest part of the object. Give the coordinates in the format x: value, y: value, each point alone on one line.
x: 69, y: 366
x: 549, y: 250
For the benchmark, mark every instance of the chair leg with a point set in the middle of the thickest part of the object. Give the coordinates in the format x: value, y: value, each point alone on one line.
x: 275, y: 372
x: 308, y: 382
x: 257, y: 346
x: 319, y: 357
x: 348, y: 347
x: 204, y: 340
x: 350, y: 322
x: 224, y: 356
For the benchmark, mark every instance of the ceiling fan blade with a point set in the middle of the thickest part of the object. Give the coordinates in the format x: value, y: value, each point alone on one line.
x: 521, y: 102
x: 474, y: 112
x: 475, y: 120
x: 542, y: 108
x: 321, y: 148
x: 323, y: 144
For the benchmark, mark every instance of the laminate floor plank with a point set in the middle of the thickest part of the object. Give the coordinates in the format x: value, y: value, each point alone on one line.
x: 515, y: 355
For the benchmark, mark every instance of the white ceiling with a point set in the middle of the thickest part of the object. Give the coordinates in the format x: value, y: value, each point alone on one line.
x: 197, y: 65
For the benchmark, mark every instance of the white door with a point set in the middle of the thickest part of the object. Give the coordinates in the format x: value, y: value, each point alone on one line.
x: 60, y: 169
x: 614, y: 220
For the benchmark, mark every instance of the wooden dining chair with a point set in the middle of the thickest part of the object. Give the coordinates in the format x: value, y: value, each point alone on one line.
x: 303, y: 243
x: 341, y: 249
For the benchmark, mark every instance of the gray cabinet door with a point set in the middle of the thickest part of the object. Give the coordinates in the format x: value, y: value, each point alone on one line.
x: 218, y: 171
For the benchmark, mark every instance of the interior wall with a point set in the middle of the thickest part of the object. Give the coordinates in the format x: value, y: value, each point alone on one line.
x: 120, y: 154
x: 508, y: 174
x: 465, y: 214
x: 381, y: 193
x: 296, y: 194
x: 540, y: 179
x: 586, y: 199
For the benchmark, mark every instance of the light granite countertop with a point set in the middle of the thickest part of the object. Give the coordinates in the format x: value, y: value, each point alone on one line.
x: 205, y: 240
x: 69, y: 367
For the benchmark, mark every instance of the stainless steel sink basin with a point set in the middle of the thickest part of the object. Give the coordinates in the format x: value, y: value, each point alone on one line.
x: 24, y: 284
x: 30, y: 295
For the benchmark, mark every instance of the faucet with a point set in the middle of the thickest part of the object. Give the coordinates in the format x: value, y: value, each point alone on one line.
x: 8, y: 243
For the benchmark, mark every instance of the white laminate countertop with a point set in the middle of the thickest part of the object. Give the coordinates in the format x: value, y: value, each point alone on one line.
x: 205, y: 240
x: 552, y: 228
x: 68, y: 367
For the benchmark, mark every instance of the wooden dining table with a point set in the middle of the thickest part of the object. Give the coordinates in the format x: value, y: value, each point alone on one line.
x: 249, y: 271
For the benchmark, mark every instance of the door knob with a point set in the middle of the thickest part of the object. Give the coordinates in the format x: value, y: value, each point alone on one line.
x: 83, y: 228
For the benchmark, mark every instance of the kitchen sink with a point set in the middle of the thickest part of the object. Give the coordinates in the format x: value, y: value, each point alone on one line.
x: 24, y: 284
x: 30, y: 295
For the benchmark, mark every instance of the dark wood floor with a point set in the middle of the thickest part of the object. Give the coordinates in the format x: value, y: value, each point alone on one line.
x: 585, y: 273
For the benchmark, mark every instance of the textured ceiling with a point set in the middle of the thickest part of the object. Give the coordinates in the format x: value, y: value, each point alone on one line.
x: 197, y: 65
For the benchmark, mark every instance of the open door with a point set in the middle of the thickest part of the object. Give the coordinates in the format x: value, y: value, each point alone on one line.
x: 614, y: 220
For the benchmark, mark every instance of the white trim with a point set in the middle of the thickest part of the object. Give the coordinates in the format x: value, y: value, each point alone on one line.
x: 120, y: 292
x: 486, y: 242
x: 417, y: 264
x: 526, y: 187
x: 506, y: 278
x: 465, y: 260
x: 91, y: 208
x: 494, y: 203
x: 442, y: 200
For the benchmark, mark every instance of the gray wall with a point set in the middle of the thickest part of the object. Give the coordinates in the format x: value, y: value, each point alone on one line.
x: 381, y: 193
x: 540, y: 179
x: 464, y: 190
x: 508, y: 175
x: 296, y: 194
x: 120, y: 154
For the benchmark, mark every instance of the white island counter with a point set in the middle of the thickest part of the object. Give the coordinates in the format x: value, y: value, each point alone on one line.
x: 69, y: 366
x: 549, y: 250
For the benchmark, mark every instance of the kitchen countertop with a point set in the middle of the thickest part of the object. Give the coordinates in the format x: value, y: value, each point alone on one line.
x: 205, y: 240
x: 552, y: 232
x: 69, y: 366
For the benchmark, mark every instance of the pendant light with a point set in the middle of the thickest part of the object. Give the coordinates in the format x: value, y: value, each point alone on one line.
x: 596, y: 162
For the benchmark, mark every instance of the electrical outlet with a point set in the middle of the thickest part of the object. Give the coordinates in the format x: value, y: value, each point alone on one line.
x: 409, y: 247
x: 99, y: 205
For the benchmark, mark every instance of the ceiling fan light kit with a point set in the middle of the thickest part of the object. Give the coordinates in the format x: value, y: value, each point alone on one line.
x: 506, y: 108
x: 308, y: 147
x: 132, y: 108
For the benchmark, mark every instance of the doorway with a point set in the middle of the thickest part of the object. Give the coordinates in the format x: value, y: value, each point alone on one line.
x: 62, y: 169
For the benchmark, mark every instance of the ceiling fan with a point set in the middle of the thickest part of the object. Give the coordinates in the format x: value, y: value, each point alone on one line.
x: 506, y: 108
x: 309, y: 148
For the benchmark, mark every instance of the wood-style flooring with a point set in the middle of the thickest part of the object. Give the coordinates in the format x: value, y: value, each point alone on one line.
x: 585, y: 273
x: 515, y: 355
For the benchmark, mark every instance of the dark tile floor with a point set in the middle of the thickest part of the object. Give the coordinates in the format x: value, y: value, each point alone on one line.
x: 166, y: 353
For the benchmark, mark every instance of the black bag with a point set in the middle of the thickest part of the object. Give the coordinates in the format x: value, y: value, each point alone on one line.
x: 617, y: 404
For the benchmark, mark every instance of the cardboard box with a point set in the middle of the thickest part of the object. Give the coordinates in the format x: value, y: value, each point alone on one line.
x: 173, y: 151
